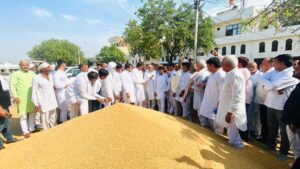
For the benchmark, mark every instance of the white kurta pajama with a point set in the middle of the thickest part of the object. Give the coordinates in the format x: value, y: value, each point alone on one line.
x: 60, y: 82
x: 200, y: 77
x: 117, y: 84
x: 170, y: 99
x: 43, y: 95
x: 78, y: 94
x: 182, y: 87
x: 138, y: 80
x: 128, y: 87
x: 107, y: 89
x: 150, y: 80
x: 161, y: 87
x: 232, y: 99
x: 175, y: 89
x: 209, y: 106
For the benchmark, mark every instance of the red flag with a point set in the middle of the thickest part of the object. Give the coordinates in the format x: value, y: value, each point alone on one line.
x: 231, y: 2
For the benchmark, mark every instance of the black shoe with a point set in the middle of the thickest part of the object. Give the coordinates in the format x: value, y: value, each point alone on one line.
x: 11, y: 140
x: 1, y: 148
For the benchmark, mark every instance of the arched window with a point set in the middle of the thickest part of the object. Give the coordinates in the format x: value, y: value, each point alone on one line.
x: 243, y: 49
x: 224, y: 50
x: 233, y: 50
x: 289, y: 44
x: 275, y: 46
x: 262, y: 47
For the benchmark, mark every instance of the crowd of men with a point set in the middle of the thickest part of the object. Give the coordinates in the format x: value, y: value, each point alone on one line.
x: 228, y: 92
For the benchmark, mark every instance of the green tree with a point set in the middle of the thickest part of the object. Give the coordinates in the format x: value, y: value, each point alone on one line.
x: 54, y: 49
x: 279, y: 13
x: 167, y: 29
x: 111, y: 54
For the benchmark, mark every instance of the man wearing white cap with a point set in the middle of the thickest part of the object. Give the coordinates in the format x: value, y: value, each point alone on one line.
x: 32, y: 67
x: 43, y: 96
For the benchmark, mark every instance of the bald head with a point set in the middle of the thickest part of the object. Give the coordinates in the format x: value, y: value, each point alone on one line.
x: 24, y: 65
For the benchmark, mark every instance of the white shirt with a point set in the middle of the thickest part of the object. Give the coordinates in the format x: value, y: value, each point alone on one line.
x: 161, y: 85
x: 96, y: 89
x: 5, y: 85
x: 175, y: 81
x: 127, y: 85
x: 261, y: 93
x: 232, y: 99
x: 201, y: 77
x: 182, y: 84
x: 107, y: 87
x: 150, y: 83
x: 60, y: 80
x: 274, y: 100
x: 170, y: 77
x: 211, y: 94
x: 138, y: 80
x: 43, y: 94
x: 117, y: 84
x: 81, y: 88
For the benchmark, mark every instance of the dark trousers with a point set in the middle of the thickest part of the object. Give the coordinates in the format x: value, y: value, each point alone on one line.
x: 4, y: 122
x: 95, y: 105
x: 264, y: 122
x: 274, y: 123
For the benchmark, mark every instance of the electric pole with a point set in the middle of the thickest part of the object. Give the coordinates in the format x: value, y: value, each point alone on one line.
x: 197, y: 3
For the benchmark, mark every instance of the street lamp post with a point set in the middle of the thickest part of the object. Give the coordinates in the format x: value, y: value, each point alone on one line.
x: 197, y: 3
x: 78, y: 53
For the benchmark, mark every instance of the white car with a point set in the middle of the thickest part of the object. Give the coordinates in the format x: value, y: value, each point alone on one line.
x: 72, y: 72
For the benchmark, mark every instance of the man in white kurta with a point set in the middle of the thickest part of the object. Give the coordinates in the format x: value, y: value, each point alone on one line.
x: 150, y: 80
x: 161, y: 88
x: 117, y: 84
x: 199, y: 79
x: 128, y: 85
x: 61, y: 82
x: 175, y: 88
x: 232, y: 108
x: 107, y: 85
x: 182, y: 86
x: 43, y: 96
x: 139, y: 82
x: 80, y: 92
x: 213, y: 86
x: 170, y: 98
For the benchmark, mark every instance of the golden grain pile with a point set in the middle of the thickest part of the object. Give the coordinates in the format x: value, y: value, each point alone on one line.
x: 125, y: 136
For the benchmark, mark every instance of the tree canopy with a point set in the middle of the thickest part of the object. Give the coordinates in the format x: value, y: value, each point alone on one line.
x: 111, y: 54
x: 279, y: 13
x: 55, y: 49
x: 166, y: 29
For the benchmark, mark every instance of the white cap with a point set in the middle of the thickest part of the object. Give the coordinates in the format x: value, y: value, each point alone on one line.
x: 43, y: 65
x: 31, y: 65
x: 112, y: 65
